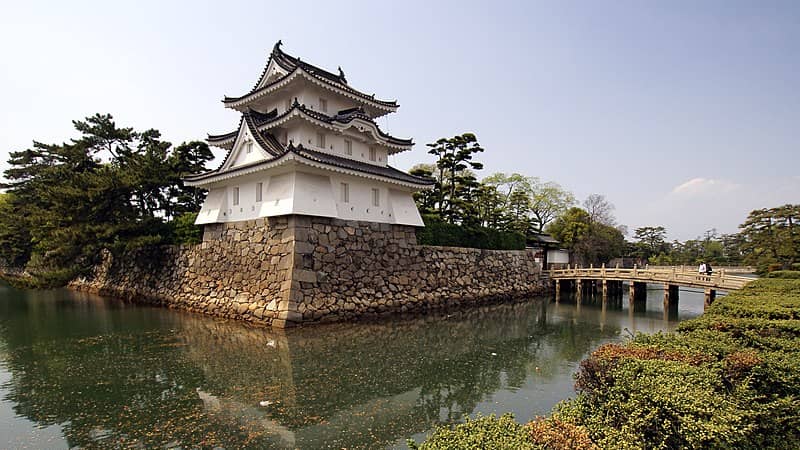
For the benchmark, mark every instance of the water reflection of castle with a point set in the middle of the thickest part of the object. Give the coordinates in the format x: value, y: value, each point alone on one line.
x: 353, y: 386
x: 197, y: 380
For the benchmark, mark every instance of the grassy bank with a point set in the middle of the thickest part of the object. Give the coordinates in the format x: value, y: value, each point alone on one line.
x: 728, y: 379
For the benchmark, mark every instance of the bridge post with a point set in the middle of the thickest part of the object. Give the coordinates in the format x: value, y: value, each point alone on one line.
x: 637, y: 293
x: 616, y: 288
x: 578, y: 290
x: 558, y: 289
x: 605, y: 291
x: 710, y: 296
x: 670, y: 300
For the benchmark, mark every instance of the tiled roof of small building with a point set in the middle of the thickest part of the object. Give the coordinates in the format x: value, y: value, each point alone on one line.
x: 545, y: 239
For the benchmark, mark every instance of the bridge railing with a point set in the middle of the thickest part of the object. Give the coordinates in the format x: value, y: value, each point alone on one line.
x: 727, y: 269
x: 674, y: 275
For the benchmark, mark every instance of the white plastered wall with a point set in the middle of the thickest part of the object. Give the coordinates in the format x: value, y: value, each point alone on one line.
x: 309, y: 192
x: 558, y: 257
x: 212, y: 209
x: 240, y: 156
x: 404, y: 208
x: 306, y: 134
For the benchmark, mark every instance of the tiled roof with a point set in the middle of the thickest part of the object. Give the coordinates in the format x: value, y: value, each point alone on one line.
x: 544, y: 238
x: 322, y: 158
x: 291, y: 63
x: 348, y: 115
x: 342, y: 117
x: 223, y: 137
x: 351, y: 164
x: 254, y: 116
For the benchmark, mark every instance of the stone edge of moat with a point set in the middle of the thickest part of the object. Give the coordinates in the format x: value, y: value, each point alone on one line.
x: 293, y: 270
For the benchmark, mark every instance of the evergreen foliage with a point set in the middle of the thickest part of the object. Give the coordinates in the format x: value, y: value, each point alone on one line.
x: 769, y: 240
x: 453, y: 195
x: 510, y: 203
x: 437, y: 232
x: 771, y: 237
x: 111, y: 187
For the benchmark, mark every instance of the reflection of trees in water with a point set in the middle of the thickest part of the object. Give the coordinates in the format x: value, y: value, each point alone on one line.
x: 447, y: 361
x: 155, y: 376
x: 114, y: 388
x: 123, y: 389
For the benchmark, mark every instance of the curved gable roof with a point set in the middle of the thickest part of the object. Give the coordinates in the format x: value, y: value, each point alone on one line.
x: 294, y: 66
x: 314, y: 158
x: 342, y: 120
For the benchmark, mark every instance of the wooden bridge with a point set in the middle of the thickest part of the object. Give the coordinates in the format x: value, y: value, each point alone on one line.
x: 609, y: 281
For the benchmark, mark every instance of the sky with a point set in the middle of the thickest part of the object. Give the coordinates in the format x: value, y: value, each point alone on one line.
x: 683, y: 114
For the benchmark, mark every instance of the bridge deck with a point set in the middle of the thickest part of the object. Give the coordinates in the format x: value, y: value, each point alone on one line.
x: 673, y: 276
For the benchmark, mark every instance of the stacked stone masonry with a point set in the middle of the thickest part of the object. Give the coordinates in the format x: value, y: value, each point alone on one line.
x: 290, y: 270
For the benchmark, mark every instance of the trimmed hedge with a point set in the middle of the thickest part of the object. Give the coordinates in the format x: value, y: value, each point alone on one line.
x: 486, y: 433
x: 788, y: 274
x: 440, y: 233
x: 503, y: 433
x: 727, y: 379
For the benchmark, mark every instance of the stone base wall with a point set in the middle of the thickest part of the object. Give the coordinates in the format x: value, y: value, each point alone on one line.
x: 241, y: 271
x: 298, y: 269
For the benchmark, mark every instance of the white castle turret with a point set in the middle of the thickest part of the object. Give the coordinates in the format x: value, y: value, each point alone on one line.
x: 307, y: 144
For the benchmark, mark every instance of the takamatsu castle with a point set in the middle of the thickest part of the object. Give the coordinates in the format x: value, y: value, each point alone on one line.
x: 308, y: 144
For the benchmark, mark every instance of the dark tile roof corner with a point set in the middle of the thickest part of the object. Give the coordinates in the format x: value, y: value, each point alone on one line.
x: 290, y: 63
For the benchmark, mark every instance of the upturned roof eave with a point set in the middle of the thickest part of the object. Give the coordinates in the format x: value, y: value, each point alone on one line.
x: 393, y: 143
x: 296, y: 154
x: 345, y: 90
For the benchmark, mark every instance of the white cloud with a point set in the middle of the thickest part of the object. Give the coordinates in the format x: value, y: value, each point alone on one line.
x: 700, y: 186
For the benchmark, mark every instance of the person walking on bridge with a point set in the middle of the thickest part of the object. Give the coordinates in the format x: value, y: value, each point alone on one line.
x: 702, y: 269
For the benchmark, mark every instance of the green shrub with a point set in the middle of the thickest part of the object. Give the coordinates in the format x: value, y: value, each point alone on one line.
x: 727, y: 379
x: 440, y: 233
x: 482, y: 433
x: 185, y: 231
x: 788, y: 274
x: 659, y: 404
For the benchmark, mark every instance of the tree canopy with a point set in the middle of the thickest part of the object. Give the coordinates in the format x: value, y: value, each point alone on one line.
x: 109, y: 187
x: 771, y: 237
x: 590, y: 241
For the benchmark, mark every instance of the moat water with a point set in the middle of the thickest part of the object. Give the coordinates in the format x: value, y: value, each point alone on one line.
x: 82, y: 371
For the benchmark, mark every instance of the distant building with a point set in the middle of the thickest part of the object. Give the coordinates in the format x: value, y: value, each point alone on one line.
x: 548, y: 251
x: 307, y: 143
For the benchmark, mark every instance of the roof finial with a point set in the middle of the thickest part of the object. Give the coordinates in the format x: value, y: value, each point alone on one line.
x: 341, y: 74
x: 277, y: 46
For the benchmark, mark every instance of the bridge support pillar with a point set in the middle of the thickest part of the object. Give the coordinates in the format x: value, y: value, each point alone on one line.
x: 637, y: 293
x: 578, y: 290
x: 670, y: 294
x: 558, y: 289
x: 710, y: 296
x: 670, y: 301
